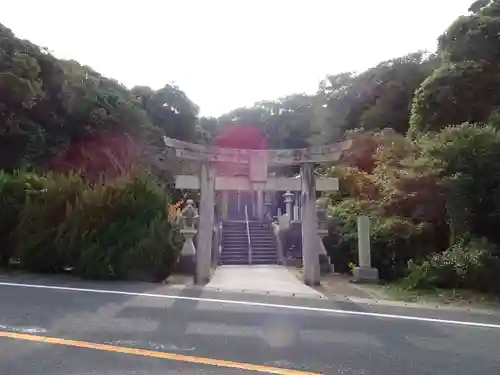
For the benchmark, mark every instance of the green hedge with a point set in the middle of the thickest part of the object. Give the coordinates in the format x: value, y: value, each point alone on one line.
x: 116, y: 230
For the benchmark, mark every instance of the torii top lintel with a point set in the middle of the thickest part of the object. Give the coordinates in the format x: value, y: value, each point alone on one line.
x: 314, y: 154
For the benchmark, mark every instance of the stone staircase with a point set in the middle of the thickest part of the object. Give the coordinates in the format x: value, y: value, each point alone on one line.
x: 235, y: 243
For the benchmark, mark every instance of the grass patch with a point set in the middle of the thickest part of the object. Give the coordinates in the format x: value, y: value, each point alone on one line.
x: 396, y: 291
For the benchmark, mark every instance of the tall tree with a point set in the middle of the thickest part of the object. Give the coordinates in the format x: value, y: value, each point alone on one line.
x: 377, y: 98
x: 56, y: 113
x: 465, y: 87
x: 286, y: 122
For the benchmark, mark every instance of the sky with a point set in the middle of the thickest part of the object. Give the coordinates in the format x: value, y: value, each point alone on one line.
x: 226, y: 54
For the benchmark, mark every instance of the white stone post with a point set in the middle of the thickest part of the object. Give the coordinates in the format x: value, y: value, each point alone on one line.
x: 365, y: 272
x: 224, y: 204
x: 252, y: 207
x: 297, y: 206
x: 238, y: 198
x: 322, y: 231
x: 260, y: 201
x: 309, y: 235
x: 268, y: 204
x: 289, y: 203
x: 204, y: 239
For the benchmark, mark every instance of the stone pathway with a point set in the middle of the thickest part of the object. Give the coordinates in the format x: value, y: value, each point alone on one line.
x: 260, y: 279
x: 336, y: 285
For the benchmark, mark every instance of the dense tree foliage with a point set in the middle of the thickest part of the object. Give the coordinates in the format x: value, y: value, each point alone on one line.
x: 49, y: 107
x: 465, y: 87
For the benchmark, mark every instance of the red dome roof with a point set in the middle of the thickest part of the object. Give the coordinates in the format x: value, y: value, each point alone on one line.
x: 247, y: 137
x: 241, y: 136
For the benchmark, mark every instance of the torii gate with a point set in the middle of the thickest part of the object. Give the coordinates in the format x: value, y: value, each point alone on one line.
x: 258, y: 162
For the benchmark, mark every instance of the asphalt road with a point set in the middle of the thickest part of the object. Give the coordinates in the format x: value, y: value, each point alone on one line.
x: 191, y: 332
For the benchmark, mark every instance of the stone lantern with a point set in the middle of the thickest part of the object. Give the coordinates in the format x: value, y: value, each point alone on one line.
x: 189, y: 220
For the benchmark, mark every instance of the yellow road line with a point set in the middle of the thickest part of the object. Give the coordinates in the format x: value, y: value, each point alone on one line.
x: 154, y: 354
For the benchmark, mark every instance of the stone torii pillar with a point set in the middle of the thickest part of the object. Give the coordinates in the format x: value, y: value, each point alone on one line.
x: 204, y: 239
x: 309, y: 247
x: 307, y: 158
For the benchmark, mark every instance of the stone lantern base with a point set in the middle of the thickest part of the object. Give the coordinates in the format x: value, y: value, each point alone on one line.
x: 186, y: 263
x: 365, y: 274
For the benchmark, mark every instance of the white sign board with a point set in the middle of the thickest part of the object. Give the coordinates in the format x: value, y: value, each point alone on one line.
x: 258, y: 166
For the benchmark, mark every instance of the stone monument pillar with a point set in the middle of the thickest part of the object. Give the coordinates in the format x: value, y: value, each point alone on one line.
x: 322, y: 231
x: 365, y: 272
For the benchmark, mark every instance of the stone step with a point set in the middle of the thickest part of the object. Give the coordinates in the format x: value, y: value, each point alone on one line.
x: 245, y: 239
x: 234, y: 251
x: 254, y: 251
x: 254, y: 258
x: 245, y: 256
x: 242, y: 262
x: 244, y: 247
x: 240, y: 235
x: 235, y: 243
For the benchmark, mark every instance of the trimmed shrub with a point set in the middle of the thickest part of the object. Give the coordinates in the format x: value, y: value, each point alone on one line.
x: 469, y: 264
x: 120, y: 230
x: 14, y: 190
x: 117, y: 230
x: 41, y: 220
